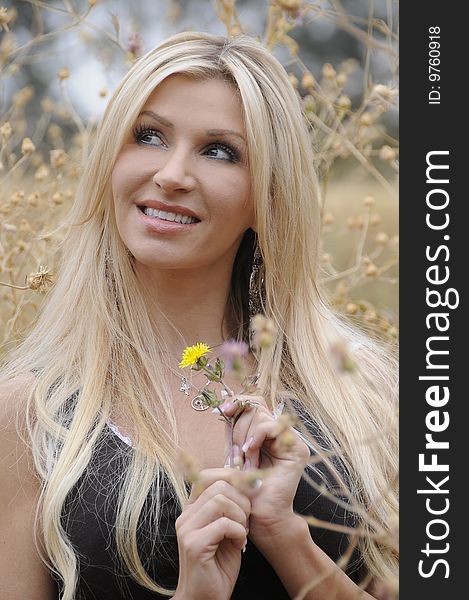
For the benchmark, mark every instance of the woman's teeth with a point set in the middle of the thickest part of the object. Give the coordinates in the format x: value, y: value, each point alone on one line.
x: 168, y: 216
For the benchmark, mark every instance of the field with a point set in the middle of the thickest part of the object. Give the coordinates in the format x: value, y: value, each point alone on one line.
x: 44, y: 141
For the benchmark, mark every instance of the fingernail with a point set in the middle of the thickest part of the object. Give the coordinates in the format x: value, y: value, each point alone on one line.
x: 236, y: 454
x: 257, y: 484
x: 247, y: 444
x: 244, y: 548
x: 226, y: 404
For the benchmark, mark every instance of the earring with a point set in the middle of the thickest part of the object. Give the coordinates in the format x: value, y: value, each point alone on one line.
x: 256, y: 283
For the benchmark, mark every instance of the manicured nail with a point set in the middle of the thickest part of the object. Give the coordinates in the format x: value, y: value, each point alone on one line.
x: 244, y: 548
x: 247, y: 444
x: 257, y: 484
x: 226, y: 404
x: 237, y: 459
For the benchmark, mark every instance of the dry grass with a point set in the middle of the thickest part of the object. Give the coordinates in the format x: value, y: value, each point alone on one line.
x: 356, y: 156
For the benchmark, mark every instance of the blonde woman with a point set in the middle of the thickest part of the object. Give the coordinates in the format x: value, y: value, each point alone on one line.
x: 199, y: 180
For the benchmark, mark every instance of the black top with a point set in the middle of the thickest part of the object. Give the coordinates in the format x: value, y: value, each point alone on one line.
x: 89, y: 518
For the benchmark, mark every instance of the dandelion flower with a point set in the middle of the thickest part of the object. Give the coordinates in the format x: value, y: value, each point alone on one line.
x: 192, y: 354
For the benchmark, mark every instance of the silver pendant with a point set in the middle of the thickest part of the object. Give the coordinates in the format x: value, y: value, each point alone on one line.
x: 198, y: 403
x: 185, y: 386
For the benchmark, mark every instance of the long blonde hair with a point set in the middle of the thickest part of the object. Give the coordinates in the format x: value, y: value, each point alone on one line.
x: 96, y: 323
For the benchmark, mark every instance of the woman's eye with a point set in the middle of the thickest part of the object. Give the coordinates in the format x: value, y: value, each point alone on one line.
x: 222, y: 152
x: 145, y: 135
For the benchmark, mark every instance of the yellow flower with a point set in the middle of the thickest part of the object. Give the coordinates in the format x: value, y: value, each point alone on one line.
x: 191, y: 354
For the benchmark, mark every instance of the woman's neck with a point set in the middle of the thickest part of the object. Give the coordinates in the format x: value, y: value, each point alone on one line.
x: 187, y: 307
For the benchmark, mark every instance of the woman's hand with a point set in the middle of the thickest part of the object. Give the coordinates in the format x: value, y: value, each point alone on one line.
x: 211, y: 533
x: 261, y: 442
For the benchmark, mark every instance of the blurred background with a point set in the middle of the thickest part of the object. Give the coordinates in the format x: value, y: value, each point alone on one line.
x: 60, y: 61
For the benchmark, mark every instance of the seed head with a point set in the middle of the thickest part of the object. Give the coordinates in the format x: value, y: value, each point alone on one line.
x: 27, y: 146
x: 6, y: 131
x: 58, y: 198
x: 187, y: 464
x: 383, y: 325
x: 341, y: 79
x: 33, y: 199
x: 365, y: 119
x: 328, y: 71
x: 235, y: 30
x: 375, y: 219
x: 387, y: 153
x: 341, y: 358
x: 368, y: 201
x: 308, y: 81
x: 17, y: 197
x: 371, y: 270
x: 293, y: 80
x: 351, y: 308
x: 291, y: 6
x: 134, y: 46
x: 23, y: 96
x: 103, y: 92
x: 47, y: 104
x: 328, y: 218
x: 344, y: 102
x: 263, y: 331
x: 40, y: 281
x: 309, y: 103
x: 5, y: 18
x: 63, y: 74
x: 382, y: 238
x: 58, y: 158
x: 54, y: 132
x: 383, y: 92
x: 41, y: 173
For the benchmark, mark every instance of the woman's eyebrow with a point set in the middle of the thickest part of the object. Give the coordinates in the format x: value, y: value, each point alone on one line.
x: 210, y: 132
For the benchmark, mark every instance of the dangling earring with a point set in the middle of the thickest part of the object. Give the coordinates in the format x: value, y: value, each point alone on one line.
x: 256, y: 283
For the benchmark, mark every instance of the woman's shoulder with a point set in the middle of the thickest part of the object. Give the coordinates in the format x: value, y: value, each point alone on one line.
x: 22, y: 571
x: 13, y: 400
x: 15, y: 455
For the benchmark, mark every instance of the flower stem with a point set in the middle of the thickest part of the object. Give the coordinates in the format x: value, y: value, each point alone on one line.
x: 16, y: 287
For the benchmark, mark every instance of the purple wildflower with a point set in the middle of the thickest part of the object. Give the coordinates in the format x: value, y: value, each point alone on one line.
x: 232, y: 353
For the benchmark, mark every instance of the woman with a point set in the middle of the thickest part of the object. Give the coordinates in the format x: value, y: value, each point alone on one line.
x: 202, y: 162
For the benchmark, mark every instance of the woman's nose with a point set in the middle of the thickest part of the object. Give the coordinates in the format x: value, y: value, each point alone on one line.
x: 174, y: 172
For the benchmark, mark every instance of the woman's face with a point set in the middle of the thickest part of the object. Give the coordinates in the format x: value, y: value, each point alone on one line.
x: 187, y: 156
